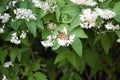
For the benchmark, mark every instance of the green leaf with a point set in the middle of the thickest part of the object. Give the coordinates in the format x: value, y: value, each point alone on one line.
x: 117, y: 17
x: 13, y: 54
x: 117, y: 7
x: 24, y: 4
x: 40, y: 76
x: 46, y: 32
x: 40, y: 24
x: 60, y: 3
x: 3, y: 70
x: 31, y: 78
x: 57, y: 11
x: 60, y: 57
x: 55, y: 45
x: 25, y: 42
x: 71, y: 58
x: 75, y: 22
x: 48, y: 17
x: 32, y: 27
x: 81, y: 63
x: 78, y: 32
x: 91, y: 57
x: 97, y: 38
x: 72, y: 10
x: 106, y: 42
x: 66, y: 18
x: 16, y: 24
x: 77, y: 46
x: 15, y: 78
x: 2, y: 9
x: 77, y: 77
x: 3, y: 54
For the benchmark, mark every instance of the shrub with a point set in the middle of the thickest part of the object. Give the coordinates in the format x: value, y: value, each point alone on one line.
x: 59, y: 39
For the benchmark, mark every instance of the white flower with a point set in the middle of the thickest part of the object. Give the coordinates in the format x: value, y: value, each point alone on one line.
x: 118, y: 40
x: 49, y: 42
x: 105, y: 14
x: 67, y: 41
x: 15, y: 39
x: 8, y: 64
x: 84, y: 2
x: 23, y: 35
x: 49, y: 5
x: 4, y: 77
x: 5, y: 17
x: 88, y: 18
x: 102, y: 0
x: 64, y: 39
x: 1, y: 30
x: 110, y: 26
x: 51, y: 26
x: 26, y: 14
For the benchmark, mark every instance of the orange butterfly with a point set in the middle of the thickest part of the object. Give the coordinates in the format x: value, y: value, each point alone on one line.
x: 62, y: 35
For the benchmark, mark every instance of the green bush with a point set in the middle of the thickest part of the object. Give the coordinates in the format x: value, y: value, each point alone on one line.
x: 59, y: 40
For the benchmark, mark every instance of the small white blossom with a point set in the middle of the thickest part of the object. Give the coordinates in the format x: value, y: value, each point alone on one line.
x: 26, y: 14
x: 88, y: 18
x: 49, y: 42
x: 118, y: 40
x: 49, y: 5
x: 7, y: 64
x: 5, y: 17
x: 4, y: 77
x: 23, y: 35
x: 65, y: 39
x: 105, y: 14
x: 51, y: 26
x: 84, y: 2
x: 15, y: 39
x: 102, y: 1
x: 110, y: 26
x: 1, y: 30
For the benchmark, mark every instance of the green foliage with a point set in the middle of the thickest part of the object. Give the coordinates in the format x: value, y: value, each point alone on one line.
x: 69, y: 50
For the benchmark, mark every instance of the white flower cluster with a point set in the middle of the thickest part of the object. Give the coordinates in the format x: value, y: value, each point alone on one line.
x: 84, y: 2
x: 12, y: 3
x: 23, y: 35
x: 4, y: 18
x: 4, y: 77
x: 118, y: 40
x: 15, y: 39
x: 105, y: 14
x: 49, y: 42
x: 102, y: 0
x: 51, y: 26
x: 63, y: 39
x: 26, y: 14
x: 88, y: 18
x: 110, y: 26
x: 49, y: 5
x: 1, y: 30
x: 7, y: 64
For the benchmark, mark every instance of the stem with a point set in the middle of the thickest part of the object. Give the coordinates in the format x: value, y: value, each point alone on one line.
x: 88, y: 78
x: 32, y: 54
x: 100, y: 75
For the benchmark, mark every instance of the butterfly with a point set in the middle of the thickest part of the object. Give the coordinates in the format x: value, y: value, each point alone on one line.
x: 62, y: 35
